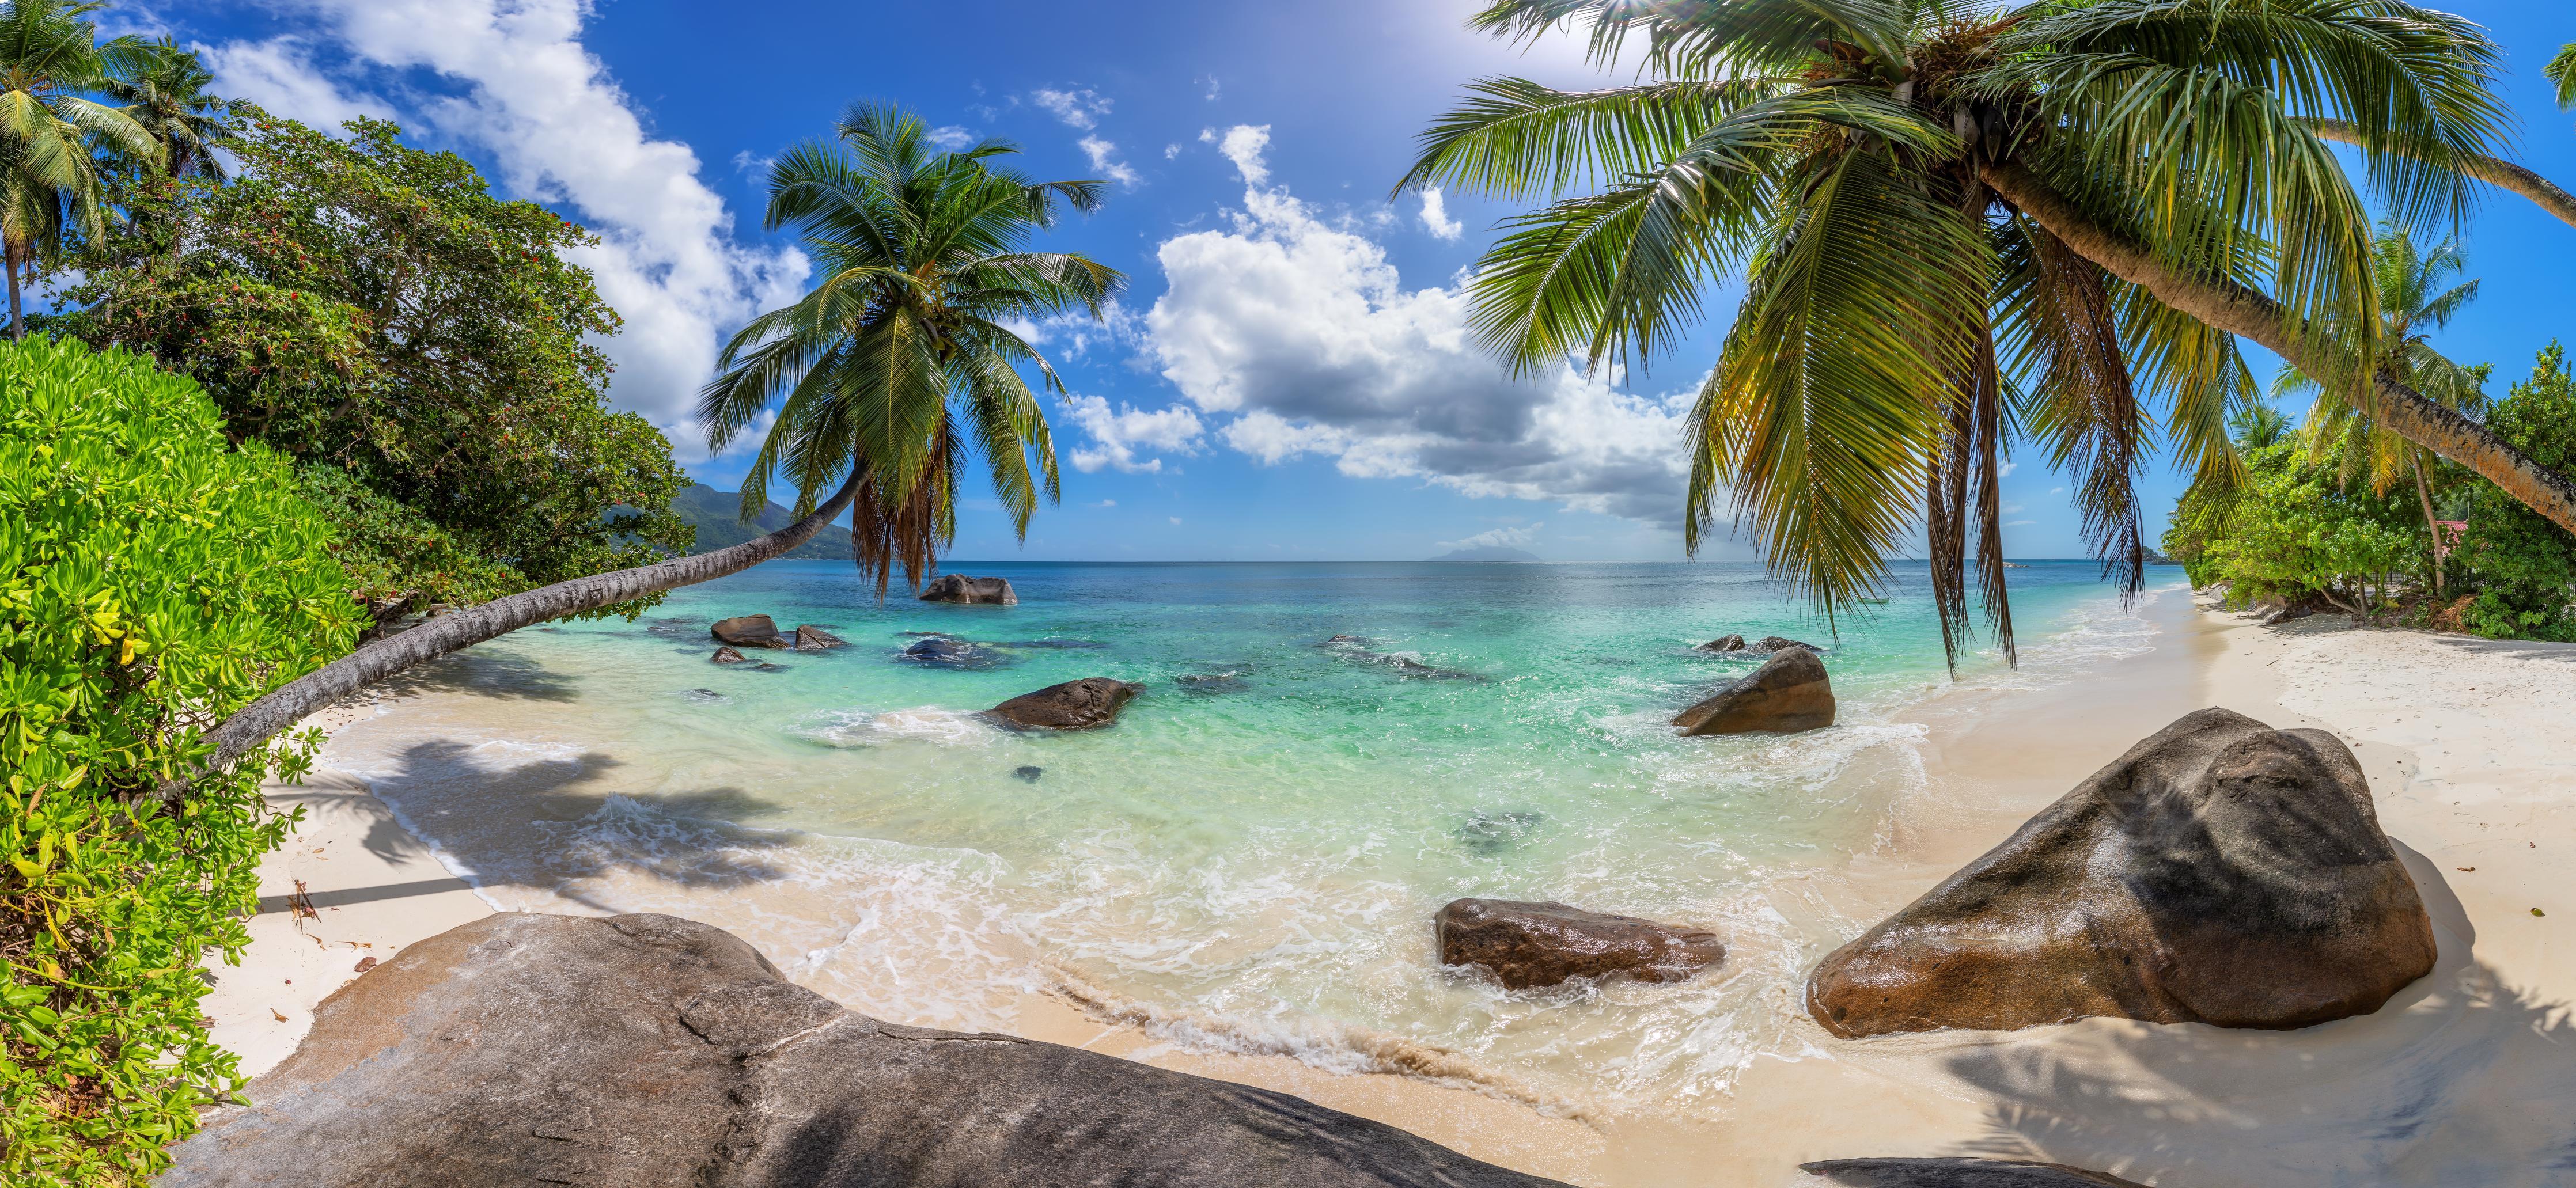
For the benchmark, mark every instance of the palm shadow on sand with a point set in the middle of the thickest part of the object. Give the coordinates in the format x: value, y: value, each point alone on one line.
x: 484, y: 673
x: 2459, y: 1080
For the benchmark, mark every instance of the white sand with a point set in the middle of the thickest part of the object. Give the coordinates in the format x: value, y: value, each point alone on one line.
x: 2462, y: 1079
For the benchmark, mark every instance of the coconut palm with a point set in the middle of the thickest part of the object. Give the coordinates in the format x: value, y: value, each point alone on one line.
x: 903, y: 356
x: 1960, y: 219
x: 2416, y: 298
x: 168, y: 98
x: 2561, y: 73
x: 2259, y: 426
x: 2496, y: 171
x: 51, y: 60
x: 923, y: 256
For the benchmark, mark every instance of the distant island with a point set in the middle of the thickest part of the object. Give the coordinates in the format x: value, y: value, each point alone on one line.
x: 713, y: 512
x: 1485, y: 553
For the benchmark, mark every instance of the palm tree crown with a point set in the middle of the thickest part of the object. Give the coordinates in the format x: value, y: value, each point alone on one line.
x: 51, y: 60
x: 2417, y: 296
x: 1959, y: 221
x: 924, y: 264
x: 168, y: 99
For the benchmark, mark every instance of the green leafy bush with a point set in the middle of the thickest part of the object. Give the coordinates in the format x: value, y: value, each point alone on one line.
x: 2523, y: 565
x: 2295, y: 531
x: 153, y: 578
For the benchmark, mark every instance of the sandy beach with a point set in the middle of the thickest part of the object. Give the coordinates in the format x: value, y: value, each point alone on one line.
x: 2456, y: 1081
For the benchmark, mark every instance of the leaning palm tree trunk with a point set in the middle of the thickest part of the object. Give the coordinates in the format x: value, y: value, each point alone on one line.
x: 2257, y: 318
x: 2491, y: 170
x: 2424, y: 495
x: 261, y: 720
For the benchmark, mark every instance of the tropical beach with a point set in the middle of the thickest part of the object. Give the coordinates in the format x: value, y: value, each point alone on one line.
x: 1491, y: 593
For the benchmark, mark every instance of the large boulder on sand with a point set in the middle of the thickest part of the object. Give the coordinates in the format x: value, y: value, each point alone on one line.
x: 1789, y: 693
x: 646, y: 1051
x: 1542, y: 944
x: 950, y: 587
x: 2220, y: 872
x: 1074, y: 705
x: 751, y: 631
x: 1959, y: 1173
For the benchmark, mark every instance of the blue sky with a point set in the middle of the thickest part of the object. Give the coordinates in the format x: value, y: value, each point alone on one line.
x: 1285, y: 377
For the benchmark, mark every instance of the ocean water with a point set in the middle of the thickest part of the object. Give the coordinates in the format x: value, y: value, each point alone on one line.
x: 1249, y: 860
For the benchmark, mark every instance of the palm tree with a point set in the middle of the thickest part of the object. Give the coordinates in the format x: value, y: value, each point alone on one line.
x: 50, y: 60
x: 1959, y: 218
x: 922, y: 256
x: 2496, y: 171
x: 2561, y: 72
x: 901, y: 357
x: 2259, y: 426
x: 168, y: 98
x: 2413, y: 303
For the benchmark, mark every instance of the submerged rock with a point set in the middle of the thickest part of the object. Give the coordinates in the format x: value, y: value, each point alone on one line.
x: 1028, y: 773
x: 1789, y: 693
x: 1211, y: 682
x: 951, y: 587
x: 1542, y: 944
x: 1357, y: 650
x: 751, y: 631
x: 940, y: 651
x: 1085, y: 704
x: 728, y: 656
x: 1724, y: 643
x: 1959, y: 1173
x: 1487, y: 834
x: 646, y: 1051
x: 810, y: 638
x: 2220, y: 872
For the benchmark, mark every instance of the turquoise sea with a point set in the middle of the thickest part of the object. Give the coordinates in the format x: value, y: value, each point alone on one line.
x: 1251, y: 856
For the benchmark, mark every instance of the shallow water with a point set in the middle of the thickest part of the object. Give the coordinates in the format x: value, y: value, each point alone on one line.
x: 1252, y: 855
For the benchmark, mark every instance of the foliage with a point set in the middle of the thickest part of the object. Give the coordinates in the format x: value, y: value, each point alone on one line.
x: 167, y: 96
x: 2416, y: 297
x: 2294, y: 531
x: 51, y: 132
x: 152, y: 579
x: 923, y: 260
x: 2523, y: 564
x: 372, y: 306
x: 394, y: 556
x: 1902, y: 321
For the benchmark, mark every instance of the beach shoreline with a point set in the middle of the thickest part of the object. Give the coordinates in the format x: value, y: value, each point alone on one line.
x: 1988, y: 759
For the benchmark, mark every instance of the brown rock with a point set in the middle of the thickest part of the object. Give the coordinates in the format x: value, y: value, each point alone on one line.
x: 1074, y: 705
x: 729, y: 656
x: 1774, y: 643
x: 810, y: 638
x: 751, y: 631
x: 651, y: 1052
x: 1724, y: 643
x: 1542, y: 944
x: 2220, y: 872
x: 1959, y: 1173
x: 950, y: 587
x: 1789, y: 693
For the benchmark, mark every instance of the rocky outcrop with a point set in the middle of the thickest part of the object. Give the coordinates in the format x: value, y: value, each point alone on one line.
x: 2220, y: 872
x: 1959, y: 1173
x: 651, y: 1052
x: 939, y: 651
x: 1086, y: 704
x: 1774, y: 643
x: 810, y: 638
x: 1724, y: 643
x: 1542, y: 944
x: 952, y: 587
x: 751, y: 631
x: 1789, y: 693
x: 729, y: 656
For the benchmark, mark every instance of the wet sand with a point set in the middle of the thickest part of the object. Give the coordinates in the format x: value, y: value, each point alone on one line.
x: 2459, y: 1080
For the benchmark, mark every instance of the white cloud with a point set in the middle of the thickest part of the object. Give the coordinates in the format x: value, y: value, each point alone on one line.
x: 2019, y: 523
x: 1435, y: 217
x: 1176, y: 521
x: 1106, y: 503
x: 1498, y: 538
x: 2057, y: 490
x: 1170, y: 151
x: 1214, y: 89
x: 951, y: 137
x: 753, y: 166
x: 1104, y: 159
x: 1072, y: 334
x: 1117, y: 435
x: 1303, y: 337
x: 279, y: 74
x: 562, y: 131
x: 1243, y: 144
x: 1077, y: 108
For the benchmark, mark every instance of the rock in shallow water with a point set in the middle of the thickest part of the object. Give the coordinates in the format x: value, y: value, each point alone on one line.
x: 943, y: 652
x: 652, y: 1052
x: 810, y: 638
x: 1543, y: 944
x: 2220, y: 872
x: 951, y: 587
x: 728, y: 656
x: 1724, y: 643
x: 1085, y: 704
x: 1959, y: 1173
x: 751, y: 631
x: 1789, y: 693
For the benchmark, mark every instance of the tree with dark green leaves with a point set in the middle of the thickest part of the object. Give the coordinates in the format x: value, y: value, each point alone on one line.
x: 1957, y: 220
x: 2523, y: 567
x: 52, y: 133
x: 902, y: 358
x: 369, y: 307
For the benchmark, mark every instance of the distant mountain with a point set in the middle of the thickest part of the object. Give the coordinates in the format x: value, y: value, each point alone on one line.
x: 713, y: 512
x: 1486, y: 553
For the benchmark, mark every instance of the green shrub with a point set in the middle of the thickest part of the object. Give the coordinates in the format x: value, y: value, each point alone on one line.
x: 152, y: 580
x: 2521, y: 564
x: 2294, y: 531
